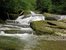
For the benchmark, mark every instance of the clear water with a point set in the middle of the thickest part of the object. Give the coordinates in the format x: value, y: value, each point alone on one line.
x: 35, y: 42
x: 28, y: 39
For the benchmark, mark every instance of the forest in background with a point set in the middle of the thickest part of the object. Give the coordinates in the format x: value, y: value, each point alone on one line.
x: 10, y: 9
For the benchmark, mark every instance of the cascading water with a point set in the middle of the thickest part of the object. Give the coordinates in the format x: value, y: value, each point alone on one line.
x: 19, y: 19
x: 33, y: 13
x: 29, y: 39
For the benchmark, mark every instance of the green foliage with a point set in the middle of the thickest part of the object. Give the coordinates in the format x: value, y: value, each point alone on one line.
x: 30, y: 4
x: 8, y: 7
x: 58, y: 6
x: 44, y: 5
x: 53, y: 6
x: 14, y: 6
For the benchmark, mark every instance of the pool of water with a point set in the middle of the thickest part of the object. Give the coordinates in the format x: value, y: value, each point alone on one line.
x: 35, y: 42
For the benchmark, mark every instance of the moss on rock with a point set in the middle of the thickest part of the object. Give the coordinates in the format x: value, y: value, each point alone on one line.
x: 39, y: 27
x: 60, y: 25
x: 48, y: 27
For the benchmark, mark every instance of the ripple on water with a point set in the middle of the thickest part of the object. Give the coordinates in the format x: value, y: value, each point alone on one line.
x: 29, y: 40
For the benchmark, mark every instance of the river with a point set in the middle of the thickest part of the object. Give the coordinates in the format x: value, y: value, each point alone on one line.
x: 34, y: 42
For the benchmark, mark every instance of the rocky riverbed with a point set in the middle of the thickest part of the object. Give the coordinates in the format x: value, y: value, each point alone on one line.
x: 39, y: 35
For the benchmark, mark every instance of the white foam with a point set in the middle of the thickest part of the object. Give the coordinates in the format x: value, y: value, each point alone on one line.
x: 32, y: 17
x: 32, y: 13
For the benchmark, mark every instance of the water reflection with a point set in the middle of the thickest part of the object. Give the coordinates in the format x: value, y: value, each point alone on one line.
x: 34, y: 42
x: 29, y: 40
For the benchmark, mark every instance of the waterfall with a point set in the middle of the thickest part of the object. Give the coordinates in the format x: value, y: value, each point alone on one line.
x: 24, y: 22
x: 2, y: 33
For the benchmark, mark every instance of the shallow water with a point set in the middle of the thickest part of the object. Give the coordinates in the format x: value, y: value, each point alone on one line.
x: 30, y: 41
x: 34, y: 42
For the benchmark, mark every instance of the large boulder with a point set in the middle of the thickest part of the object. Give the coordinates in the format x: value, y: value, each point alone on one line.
x: 49, y: 16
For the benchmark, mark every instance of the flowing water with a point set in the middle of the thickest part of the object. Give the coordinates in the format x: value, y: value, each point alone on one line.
x: 28, y: 39
x: 35, y: 42
x: 33, y: 13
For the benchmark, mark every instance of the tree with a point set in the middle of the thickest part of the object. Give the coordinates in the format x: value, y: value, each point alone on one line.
x: 12, y: 7
x: 59, y: 6
x: 44, y: 5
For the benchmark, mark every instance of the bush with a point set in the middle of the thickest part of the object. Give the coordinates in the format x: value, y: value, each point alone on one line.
x: 8, y: 8
x: 44, y: 5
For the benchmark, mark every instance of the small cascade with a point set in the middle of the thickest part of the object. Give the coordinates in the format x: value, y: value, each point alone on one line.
x: 23, y: 22
x: 33, y: 13
x: 28, y: 39
x: 2, y: 32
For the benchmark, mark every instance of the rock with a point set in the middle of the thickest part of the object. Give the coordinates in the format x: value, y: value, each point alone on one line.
x: 39, y: 28
x: 48, y: 27
x: 49, y: 16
